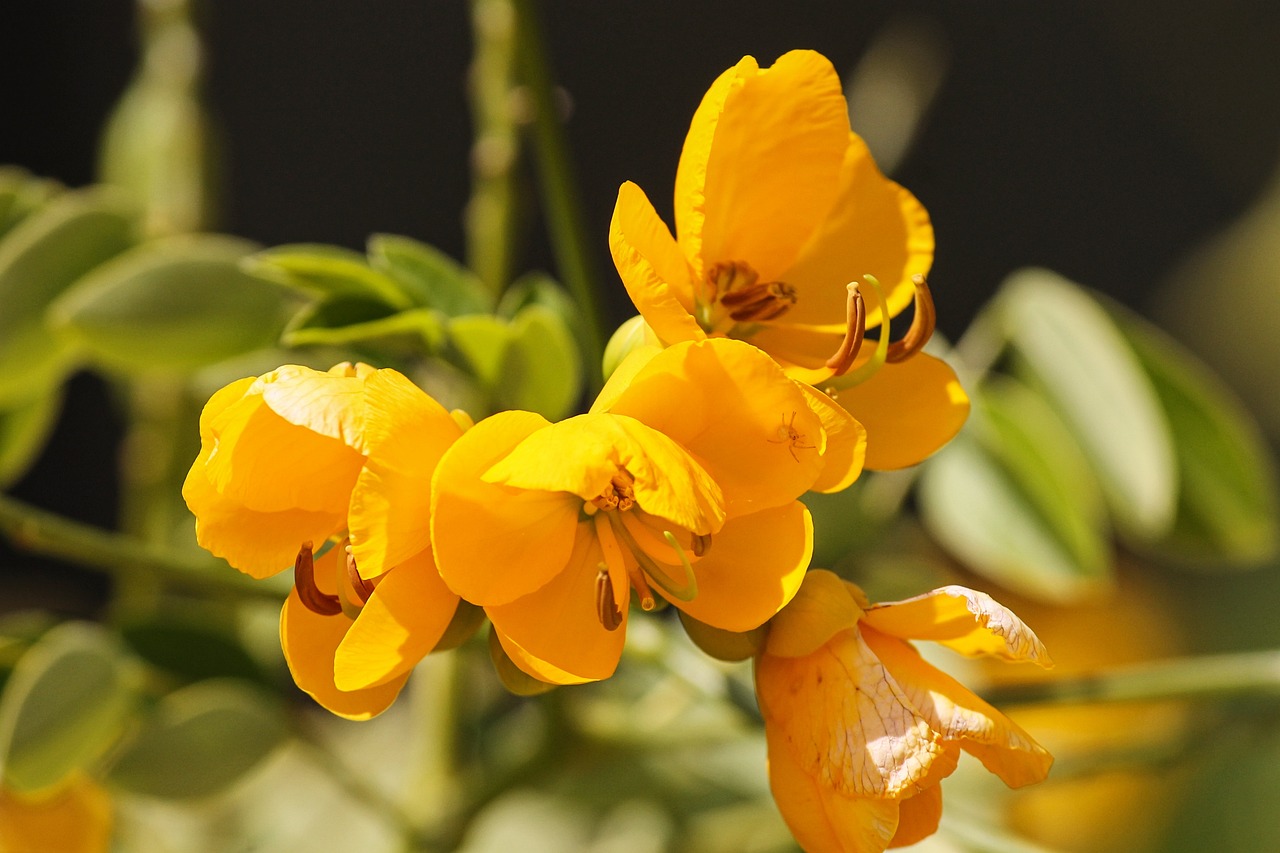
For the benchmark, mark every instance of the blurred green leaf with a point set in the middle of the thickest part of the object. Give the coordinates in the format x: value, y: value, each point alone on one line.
x: 189, y: 645
x: 481, y: 340
x: 541, y: 371
x: 538, y: 288
x: 199, y: 741
x: 1091, y: 375
x: 632, y: 334
x: 513, y: 677
x: 21, y: 194
x: 976, y: 509
x: 39, y: 259
x: 24, y: 426
x: 1227, y: 507
x: 722, y: 644
x: 327, y: 272
x: 66, y: 703
x: 178, y: 303
x: 335, y: 323
x: 431, y: 277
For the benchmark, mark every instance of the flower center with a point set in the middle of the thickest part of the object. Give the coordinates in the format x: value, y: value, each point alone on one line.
x: 732, y: 293
x: 321, y: 603
x: 620, y: 493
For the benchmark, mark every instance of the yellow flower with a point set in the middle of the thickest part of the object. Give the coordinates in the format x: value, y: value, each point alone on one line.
x: 299, y: 458
x: 76, y: 818
x: 778, y: 209
x: 681, y: 482
x: 860, y: 729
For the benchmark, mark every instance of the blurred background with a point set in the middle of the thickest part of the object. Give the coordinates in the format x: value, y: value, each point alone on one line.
x: 1132, y: 148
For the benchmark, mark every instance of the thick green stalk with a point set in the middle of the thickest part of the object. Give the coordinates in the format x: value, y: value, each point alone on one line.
x: 559, y: 188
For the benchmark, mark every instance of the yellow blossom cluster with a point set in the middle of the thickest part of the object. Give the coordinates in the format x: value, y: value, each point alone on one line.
x: 771, y: 371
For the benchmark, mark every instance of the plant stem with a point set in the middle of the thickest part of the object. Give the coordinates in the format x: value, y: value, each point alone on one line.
x: 41, y: 532
x: 559, y: 188
x: 1206, y: 677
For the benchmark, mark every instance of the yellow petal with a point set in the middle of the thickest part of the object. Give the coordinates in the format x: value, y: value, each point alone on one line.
x: 310, y: 642
x: 973, y: 623
x: 821, y: 609
x: 329, y: 404
x: 909, y: 409
x: 556, y: 631
x: 918, y: 817
x: 755, y: 565
x: 652, y: 268
x: 846, y: 720
x: 874, y: 227
x: 622, y: 376
x: 74, y: 819
x: 406, y: 432
x: 822, y: 820
x: 773, y: 164
x: 403, y: 619
x: 846, y: 443
x: 802, y: 350
x: 260, y: 544
x: 268, y: 464
x: 494, y: 543
x: 732, y: 407
x: 958, y: 715
x: 582, y: 455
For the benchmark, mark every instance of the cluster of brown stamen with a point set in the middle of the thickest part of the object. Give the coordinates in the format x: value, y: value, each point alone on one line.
x: 619, y: 494
x: 737, y: 287
x: 304, y: 581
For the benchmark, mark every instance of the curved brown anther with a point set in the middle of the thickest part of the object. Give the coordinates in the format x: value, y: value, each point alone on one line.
x: 760, y: 302
x: 922, y: 325
x: 359, y: 585
x: 726, y: 277
x: 304, y: 581
x: 701, y: 544
x: 855, y: 314
x: 606, y: 607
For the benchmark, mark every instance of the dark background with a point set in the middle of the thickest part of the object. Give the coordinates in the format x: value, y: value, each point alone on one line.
x: 1100, y: 139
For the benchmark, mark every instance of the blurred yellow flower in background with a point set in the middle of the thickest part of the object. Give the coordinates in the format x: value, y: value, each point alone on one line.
x: 861, y: 730
x: 681, y: 482
x: 778, y: 209
x: 75, y: 818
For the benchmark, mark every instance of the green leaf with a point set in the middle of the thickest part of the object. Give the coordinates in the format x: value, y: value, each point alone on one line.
x: 39, y: 259
x: 190, y: 645
x: 1091, y: 375
x: 976, y: 510
x: 199, y: 741
x: 24, y: 426
x: 541, y: 371
x: 513, y: 677
x: 1227, y: 508
x: 429, y: 276
x: 481, y: 341
x: 66, y: 704
x: 343, y: 322
x: 722, y: 644
x: 21, y: 194
x: 328, y: 272
x: 179, y: 303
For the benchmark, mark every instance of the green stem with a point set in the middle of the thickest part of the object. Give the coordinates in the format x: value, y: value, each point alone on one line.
x: 116, y: 554
x: 559, y: 188
x: 1207, y: 677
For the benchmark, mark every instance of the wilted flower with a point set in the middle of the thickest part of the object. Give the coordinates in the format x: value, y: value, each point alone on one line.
x: 780, y: 213
x: 680, y: 483
x: 861, y: 730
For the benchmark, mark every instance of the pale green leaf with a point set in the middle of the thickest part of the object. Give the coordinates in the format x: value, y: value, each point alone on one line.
x: 21, y: 194
x: 179, y: 303
x: 200, y: 740
x: 64, y: 706
x: 540, y: 369
x: 327, y: 272
x: 339, y: 323
x: 481, y: 341
x: 431, y: 277
x: 24, y: 426
x: 1091, y: 375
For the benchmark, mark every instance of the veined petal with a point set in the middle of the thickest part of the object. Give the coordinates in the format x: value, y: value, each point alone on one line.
x: 874, y: 227
x: 846, y: 719
x: 909, y: 409
x: 329, y: 404
x: 652, y: 267
x: 268, y: 464
x: 260, y: 544
x: 822, y: 819
x: 494, y: 543
x: 556, y: 628
x: 581, y: 455
x: 310, y: 642
x: 755, y: 565
x: 961, y: 717
x: 74, y: 819
x: 732, y: 407
x: 918, y: 817
x: 406, y: 432
x: 821, y: 609
x: 846, y: 443
x: 970, y: 622
x: 772, y: 171
x: 402, y: 621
